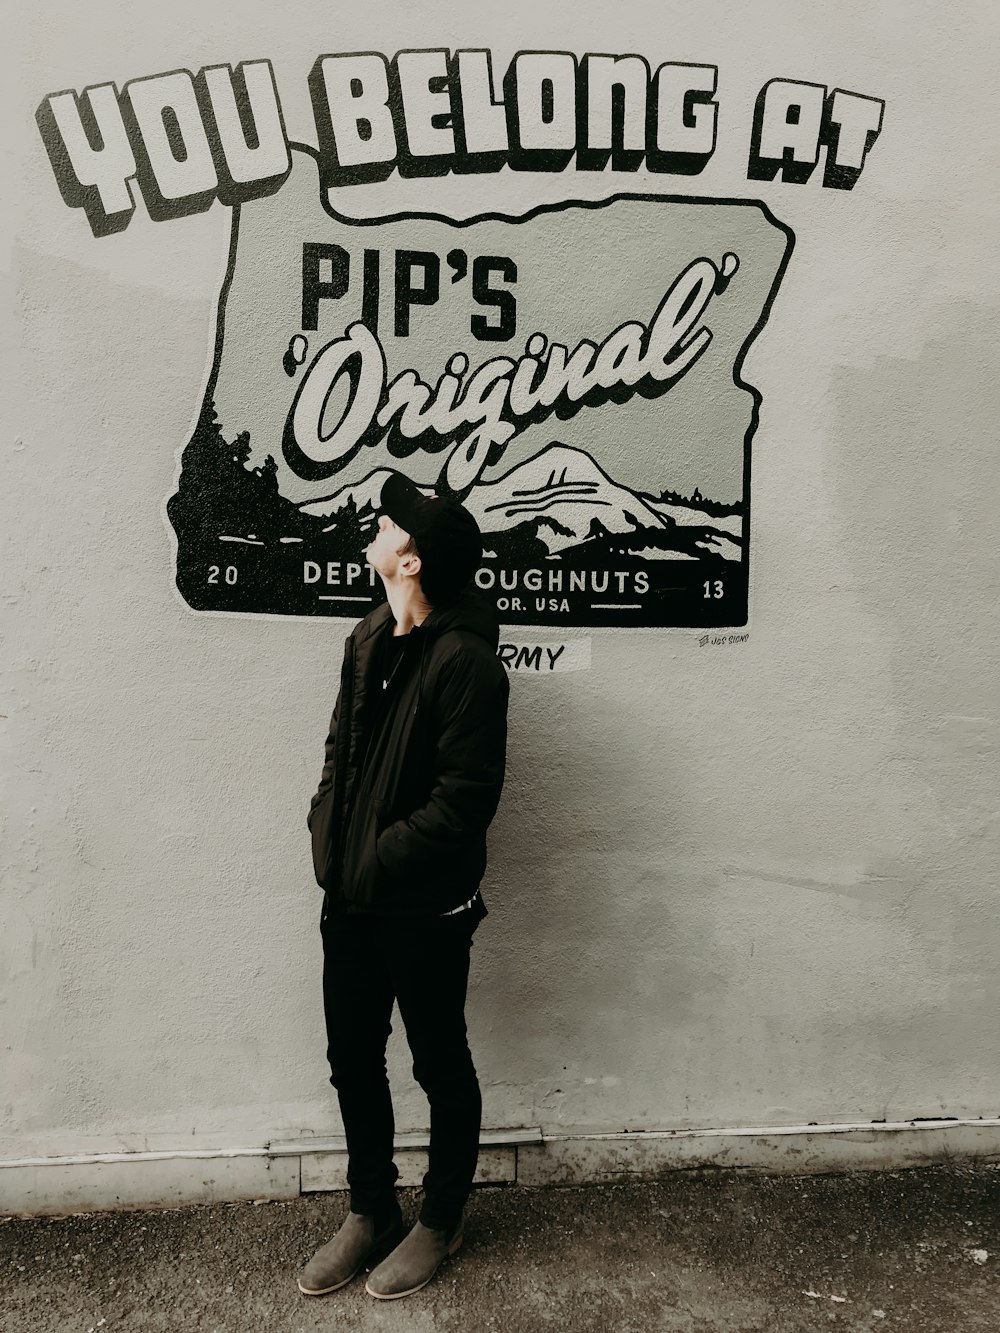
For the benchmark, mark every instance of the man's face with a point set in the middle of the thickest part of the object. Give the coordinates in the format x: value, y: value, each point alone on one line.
x: 383, y: 552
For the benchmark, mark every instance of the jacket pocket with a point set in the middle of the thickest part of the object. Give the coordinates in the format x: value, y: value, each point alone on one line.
x: 376, y: 873
x: 321, y: 833
x: 362, y: 871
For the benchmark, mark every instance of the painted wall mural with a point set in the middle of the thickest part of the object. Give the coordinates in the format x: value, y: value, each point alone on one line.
x: 573, y: 373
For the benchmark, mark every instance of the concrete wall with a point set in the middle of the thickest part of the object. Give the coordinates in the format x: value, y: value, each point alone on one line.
x: 731, y: 884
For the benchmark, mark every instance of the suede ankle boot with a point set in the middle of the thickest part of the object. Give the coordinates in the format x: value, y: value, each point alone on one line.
x: 413, y: 1262
x: 361, y: 1238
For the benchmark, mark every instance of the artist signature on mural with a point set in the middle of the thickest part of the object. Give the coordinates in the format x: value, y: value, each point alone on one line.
x: 721, y: 640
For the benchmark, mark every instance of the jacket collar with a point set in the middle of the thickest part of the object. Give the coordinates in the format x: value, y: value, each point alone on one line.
x: 372, y: 623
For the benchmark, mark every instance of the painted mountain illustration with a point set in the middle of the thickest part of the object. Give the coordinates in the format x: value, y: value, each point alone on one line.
x: 568, y: 499
x: 562, y: 499
x: 561, y: 539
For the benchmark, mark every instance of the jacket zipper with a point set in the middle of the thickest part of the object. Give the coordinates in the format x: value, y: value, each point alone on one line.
x: 359, y: 783
x: 343, y: 744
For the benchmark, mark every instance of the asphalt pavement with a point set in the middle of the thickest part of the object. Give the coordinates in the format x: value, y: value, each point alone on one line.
x: 915, y: 1250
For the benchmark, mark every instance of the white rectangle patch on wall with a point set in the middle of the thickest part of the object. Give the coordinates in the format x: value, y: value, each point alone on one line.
x: 529, y: 657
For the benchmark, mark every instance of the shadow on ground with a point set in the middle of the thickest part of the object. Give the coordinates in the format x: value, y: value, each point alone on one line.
x: 693, y: 1252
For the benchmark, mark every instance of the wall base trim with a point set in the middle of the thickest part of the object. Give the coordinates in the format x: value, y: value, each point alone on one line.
x: 793, y: 1149
x: 285, y: 1169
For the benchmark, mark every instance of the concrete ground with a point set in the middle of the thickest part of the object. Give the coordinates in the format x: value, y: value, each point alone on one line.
x: 917, y: 1251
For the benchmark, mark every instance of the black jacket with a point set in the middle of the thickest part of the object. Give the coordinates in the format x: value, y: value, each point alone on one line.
x: 413, y: 774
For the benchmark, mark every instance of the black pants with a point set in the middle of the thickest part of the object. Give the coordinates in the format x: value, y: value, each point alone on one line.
x: 424, y: 966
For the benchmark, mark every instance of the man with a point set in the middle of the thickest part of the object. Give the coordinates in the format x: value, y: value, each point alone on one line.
x: 414, y: 769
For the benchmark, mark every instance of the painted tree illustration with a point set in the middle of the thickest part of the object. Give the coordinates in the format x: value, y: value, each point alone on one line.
x: 218, y: 493
x: 716, y: 508
x: 240, y: 446
x: 347, y: 537
x: 555, y: 526
x: 524, y: 542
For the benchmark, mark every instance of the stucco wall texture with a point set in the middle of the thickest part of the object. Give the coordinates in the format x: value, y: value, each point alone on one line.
x: 734, y: 885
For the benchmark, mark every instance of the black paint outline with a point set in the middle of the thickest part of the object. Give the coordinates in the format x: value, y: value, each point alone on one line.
x: 74, y: 193
x: 459, y: 160
x: 493, y: 298
x: 231, y: 192
x: 409, y: 164
x: 160, y: 208
x: 332, y: 172
x: 313, y: 254
x: 767, y: 168
x: 622, y: 158
x: 473, y: 163
x: 536, y: 159
x: 757, y: 397
x: 836, y: 177
x: 678, y: 163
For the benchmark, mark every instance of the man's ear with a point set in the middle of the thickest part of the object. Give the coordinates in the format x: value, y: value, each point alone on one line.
x: 410, y: 565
